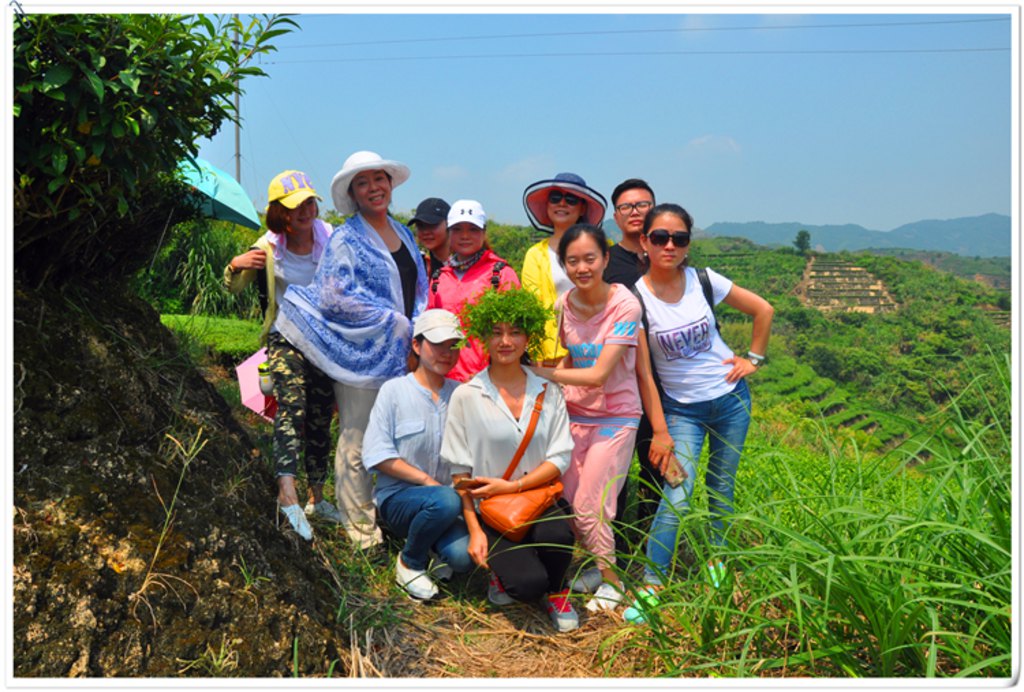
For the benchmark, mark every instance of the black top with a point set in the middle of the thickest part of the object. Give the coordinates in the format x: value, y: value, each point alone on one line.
x: 407, y: 273
x: 623, y: 266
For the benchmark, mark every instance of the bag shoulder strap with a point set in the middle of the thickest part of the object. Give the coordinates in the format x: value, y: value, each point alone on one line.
x: 534, y: 417
x: 261, y: 283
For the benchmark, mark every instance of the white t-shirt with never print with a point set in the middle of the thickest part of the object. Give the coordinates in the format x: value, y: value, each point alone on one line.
x: 685, y: 346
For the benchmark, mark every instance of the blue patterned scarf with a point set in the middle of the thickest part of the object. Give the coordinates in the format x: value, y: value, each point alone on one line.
x: 350, y: 321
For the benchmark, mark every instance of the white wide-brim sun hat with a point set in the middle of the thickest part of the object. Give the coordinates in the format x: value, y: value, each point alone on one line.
x: 535, y: 200
x: 356, y: 164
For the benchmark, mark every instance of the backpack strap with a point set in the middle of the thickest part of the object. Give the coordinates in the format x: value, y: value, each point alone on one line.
x: 709, y: 296
x: 435, y: 277
x: 647, y: 331
x: 496, y: 273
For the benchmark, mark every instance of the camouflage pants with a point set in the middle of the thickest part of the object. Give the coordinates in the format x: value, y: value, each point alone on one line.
x: 305, y: 404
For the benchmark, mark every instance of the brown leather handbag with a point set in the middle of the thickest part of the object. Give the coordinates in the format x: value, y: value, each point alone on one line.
x: 513, y: 513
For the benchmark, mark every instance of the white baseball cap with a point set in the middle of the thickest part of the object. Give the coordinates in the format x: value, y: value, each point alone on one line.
x: 437, y: 326
x: 467, y: 210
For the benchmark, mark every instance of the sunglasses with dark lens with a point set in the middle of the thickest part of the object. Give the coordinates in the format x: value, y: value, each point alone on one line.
x: 557, y: 196
x: 659, y: 236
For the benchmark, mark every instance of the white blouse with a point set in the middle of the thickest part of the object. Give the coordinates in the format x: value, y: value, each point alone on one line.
x: 481, y: 434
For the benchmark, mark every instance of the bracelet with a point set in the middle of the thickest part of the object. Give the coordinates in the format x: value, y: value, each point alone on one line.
x: 755, y: 355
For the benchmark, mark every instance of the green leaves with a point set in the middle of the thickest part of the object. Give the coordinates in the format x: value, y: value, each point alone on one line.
x: 57, y: 76
x: 126, y: 99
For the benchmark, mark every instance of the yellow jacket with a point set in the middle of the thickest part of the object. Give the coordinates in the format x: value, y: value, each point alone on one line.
x: 536, y: 276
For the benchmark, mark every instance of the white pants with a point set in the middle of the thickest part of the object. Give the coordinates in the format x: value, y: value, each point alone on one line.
x: 352, y: 483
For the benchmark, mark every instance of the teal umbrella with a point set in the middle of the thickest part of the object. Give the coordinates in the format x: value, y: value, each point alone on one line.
x: 222, y: 196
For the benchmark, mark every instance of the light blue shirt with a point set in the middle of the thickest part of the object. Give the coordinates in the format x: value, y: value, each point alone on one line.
x: 406, y: 423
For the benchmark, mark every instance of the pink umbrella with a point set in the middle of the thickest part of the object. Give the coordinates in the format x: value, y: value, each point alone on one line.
x: 249, y: 384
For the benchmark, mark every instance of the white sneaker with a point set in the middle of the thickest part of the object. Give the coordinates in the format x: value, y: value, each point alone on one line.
x: 587, y: 581
x: 496, y: 592
x: 298, y: 521
x: 415, y: 581
x: 607, y: 597
x: 324, y: 510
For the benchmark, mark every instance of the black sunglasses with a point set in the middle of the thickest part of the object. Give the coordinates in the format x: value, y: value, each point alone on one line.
x: 556, y: 196
x: 659, y: 236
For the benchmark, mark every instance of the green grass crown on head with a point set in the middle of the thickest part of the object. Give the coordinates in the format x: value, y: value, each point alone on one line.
x: 517, y: 306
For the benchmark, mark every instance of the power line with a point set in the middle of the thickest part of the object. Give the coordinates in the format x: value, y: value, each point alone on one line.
x: 605, y: 54
x: 559, y: 34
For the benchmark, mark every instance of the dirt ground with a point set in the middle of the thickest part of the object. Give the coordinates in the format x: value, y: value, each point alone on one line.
x: 145, y: 540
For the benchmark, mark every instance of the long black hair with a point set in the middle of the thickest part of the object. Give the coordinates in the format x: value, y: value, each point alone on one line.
x: 658, y: 210
x: 575, y: 232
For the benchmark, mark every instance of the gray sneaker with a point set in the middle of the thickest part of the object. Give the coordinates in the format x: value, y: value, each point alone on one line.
x: 439, y: 568
x: 563, y: 615
x: 496, y: 592
x: 324, y: 510
x: 587, y: 581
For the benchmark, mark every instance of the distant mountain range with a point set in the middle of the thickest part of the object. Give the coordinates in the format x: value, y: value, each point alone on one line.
x: 988, y: 235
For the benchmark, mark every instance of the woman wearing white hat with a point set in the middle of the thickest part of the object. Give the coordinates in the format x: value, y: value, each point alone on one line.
x: 471, y: 269
x: 354, y: 321
x: 414, y: 491
x: 553, y: 206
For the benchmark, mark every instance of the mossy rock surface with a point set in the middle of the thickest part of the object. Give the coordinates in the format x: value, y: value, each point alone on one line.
x: 99, y: 386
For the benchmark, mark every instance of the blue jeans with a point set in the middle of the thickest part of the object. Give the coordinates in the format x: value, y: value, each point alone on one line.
x: 428, y: 516
x: 724, y: 421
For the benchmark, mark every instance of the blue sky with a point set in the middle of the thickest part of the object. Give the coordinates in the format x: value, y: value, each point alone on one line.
x: 873, y: 119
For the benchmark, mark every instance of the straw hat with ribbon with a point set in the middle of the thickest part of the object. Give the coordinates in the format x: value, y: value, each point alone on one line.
x: 356, y: 164
x: 535, y: 200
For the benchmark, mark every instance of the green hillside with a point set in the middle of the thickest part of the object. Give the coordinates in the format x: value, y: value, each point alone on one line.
x: 873, y: 373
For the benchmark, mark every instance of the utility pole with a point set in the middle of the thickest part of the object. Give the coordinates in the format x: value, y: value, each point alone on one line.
x: 238, y: 118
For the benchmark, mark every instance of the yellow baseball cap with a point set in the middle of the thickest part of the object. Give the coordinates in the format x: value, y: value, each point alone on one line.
x: 291, y: 189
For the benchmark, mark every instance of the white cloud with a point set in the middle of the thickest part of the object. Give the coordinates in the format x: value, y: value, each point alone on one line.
x: 449, y: 173
x: 528, y: 170
x: 713, y: 144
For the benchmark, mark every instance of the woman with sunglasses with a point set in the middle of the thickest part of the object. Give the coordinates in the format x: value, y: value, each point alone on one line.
x: 703, y: 383
x: 553, y: 206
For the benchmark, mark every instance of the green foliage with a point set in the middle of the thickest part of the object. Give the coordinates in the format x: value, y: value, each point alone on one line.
x: 802, y: 242
x: 516, y: 306
x: 511, y: 243
x: 105, y: 108
x: 187, y: 271
x: 233, y: 339
x: 851, y: 565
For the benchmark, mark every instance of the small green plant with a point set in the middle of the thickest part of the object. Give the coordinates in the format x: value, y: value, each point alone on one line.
x: 153, y: 579
x: 252, y: 579
x: 214, y: 662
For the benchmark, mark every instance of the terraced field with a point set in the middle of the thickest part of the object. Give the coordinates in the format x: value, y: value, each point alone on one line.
x: 833, y: 285
x: 810, y: 396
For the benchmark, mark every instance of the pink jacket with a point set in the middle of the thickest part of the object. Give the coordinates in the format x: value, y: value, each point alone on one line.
x: 451, y: 293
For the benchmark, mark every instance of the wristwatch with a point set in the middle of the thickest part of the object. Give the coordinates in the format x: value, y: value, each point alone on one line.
x: 755, y: 359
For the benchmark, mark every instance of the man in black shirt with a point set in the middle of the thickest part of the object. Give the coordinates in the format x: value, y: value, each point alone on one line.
x: 631, y: 200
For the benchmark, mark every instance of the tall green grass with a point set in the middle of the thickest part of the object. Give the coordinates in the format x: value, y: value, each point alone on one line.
x: 852, y: 564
